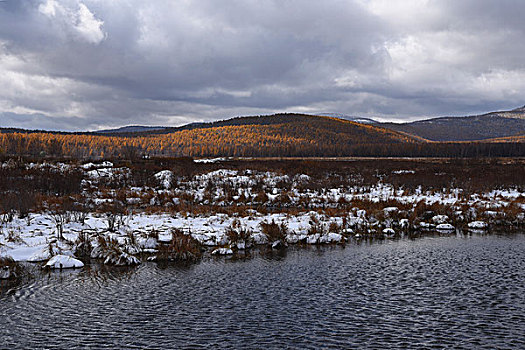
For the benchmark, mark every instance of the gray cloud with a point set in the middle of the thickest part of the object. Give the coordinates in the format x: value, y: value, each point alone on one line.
x: 77, y: 64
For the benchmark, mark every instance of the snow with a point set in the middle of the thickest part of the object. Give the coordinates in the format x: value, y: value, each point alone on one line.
x: 5, y: 273
x: 331, y: 238
x: 313, y: 239
x: 440, y: 219
x: 479, y: 225
x: 217, y: 173
x: 34, y: 238
x: 42, y: 254
x: 123, y: 259
x: 277, y: 245
x: 445, y: 227
x: 210, y: 160
x: 302, y: 178
x: 389, y: 210
x: 98, y: 173
x: 222, y: 251
x: 389, y: 231
x: 64, y: 262
x: 88, y: 166
x: 22, y: 253
x: 165, y: 177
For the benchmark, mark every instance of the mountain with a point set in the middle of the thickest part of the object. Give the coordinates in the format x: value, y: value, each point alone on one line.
x: 283, y: 135
x: 487, y: 126
x: 243, y: 120
x: 271, y: 135
x: 351, y: 118
x: 279, y: 135
x: 129, y: 129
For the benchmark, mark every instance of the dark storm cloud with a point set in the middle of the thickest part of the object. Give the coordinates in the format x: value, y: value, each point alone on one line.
x: 72, y: 64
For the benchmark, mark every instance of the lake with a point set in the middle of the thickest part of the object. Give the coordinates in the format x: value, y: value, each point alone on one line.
x: 432, y: 292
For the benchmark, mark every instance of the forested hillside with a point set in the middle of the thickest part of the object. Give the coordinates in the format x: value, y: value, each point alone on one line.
x: 280, y: 135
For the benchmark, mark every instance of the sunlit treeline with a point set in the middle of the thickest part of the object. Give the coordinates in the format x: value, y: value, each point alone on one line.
x: 307, y: 136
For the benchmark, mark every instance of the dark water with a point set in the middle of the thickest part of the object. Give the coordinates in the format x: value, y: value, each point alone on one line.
x: 441, y: 292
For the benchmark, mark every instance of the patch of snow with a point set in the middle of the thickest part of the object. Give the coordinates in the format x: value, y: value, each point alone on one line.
x: 41, y: 255
x: 389, y: 231
x: 88, y: 166
x: 209, y: 160
x: 6, y: 273
x: 445, y: 227
x: 313, y: 239
x: 302, y: 178
x: 64, y: 262
x: 278, y: 245
x: 165, y: 177
x: 98, y: 173
x: 331, y: 237
x: 478, y: 225
x: 439, y: 219
x: 222, y: 251
x: 425, y: 225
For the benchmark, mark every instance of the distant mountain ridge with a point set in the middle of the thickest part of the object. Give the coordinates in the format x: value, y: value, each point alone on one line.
x: 351, y: 118
x: 498, y: 125
x: 279, y: 135
x: 130, y: 129
x: 486, y: 126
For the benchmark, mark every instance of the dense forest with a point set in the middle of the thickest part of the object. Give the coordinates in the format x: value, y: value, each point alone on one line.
x: 283, y: 135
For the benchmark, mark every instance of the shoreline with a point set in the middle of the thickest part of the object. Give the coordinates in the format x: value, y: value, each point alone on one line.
x: 34, y: 238
x: 124, y: 213
x: 28, y: 271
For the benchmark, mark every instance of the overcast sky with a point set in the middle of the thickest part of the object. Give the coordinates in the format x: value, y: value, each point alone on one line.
x: 91, y: 64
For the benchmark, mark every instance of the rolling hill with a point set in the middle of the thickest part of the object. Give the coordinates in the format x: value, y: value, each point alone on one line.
x: 351, y: 118
x: 488, y: 127
x: 275, y: 135
x: 130, y: 129
x: 471, y: 128
x: 279, y: 135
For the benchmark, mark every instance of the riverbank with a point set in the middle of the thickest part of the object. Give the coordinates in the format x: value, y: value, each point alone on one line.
x: 140, y: 236
x: 127, y: 214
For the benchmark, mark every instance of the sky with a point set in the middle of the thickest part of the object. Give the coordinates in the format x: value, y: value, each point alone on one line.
x: 94, y: 64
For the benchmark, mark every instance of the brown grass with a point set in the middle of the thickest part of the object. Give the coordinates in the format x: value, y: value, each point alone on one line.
x: 182, y: 247
x: 273, y: 231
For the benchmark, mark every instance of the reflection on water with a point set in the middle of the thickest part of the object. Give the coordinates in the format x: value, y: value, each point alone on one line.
x: 431, y: 292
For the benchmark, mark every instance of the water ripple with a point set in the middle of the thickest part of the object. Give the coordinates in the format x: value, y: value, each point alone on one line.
x: 445, y: 292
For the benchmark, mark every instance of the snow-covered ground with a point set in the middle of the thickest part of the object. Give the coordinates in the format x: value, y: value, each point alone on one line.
x: 35, y: 238
x: 139, y: 230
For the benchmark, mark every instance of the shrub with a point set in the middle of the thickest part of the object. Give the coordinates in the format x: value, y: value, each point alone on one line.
x: 238, y: 235
x: 13, y: 236
x: 83, y: 246
x: 334, y: 227
x: 10, y: 269
x: 182, y: 247
x: 316, y: 227
x: 114, y: 212
x: 273, y: 231
x: 109, y: 250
